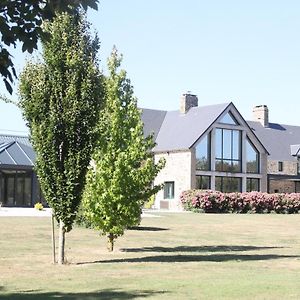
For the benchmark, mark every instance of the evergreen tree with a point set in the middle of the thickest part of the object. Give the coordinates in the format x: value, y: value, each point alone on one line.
x: 61, y: 99
x: 121, y: 179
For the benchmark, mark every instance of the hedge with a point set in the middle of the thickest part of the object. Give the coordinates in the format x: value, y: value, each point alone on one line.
x: 251, y: 202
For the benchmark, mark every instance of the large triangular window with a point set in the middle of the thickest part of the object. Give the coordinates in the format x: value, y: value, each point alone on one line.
x: 229, y: 119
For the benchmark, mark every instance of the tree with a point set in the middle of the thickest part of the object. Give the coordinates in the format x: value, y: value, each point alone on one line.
x: 120, y: 181
x: 22, y: 21
x: 61, y: 99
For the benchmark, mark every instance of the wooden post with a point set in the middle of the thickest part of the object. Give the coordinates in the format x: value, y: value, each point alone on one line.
x: 53, y: 239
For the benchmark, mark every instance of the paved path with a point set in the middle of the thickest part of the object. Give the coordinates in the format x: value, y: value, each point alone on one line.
x: 32, y: 212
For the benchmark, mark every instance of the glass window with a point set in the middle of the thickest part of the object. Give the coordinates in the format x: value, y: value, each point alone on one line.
x: 229, y: 119
x: 228, y: 150
x: 203, y: 182
x: 10, y: 190
x: 228, y: 184
x: 252, y: 158
x: 203, y: 154
x: 252, y: 184
x: 280, y: 166
x: 169, y: 190
x: 1, y: 189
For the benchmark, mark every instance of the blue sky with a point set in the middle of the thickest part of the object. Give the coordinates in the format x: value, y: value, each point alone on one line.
x: 247, y: 52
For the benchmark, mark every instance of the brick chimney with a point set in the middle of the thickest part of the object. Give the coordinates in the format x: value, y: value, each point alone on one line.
x: 261, y: 114
x: 187, y: 101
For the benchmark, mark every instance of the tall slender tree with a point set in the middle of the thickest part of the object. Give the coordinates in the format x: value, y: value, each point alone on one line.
x: 120, y: 181
x: 61, y: 99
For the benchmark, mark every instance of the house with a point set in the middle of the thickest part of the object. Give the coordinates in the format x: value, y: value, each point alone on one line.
x: 213, y: 147
x: 18, y: 182
x: 205, y: 147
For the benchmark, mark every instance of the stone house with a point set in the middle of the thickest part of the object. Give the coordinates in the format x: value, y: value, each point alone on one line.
x: 213, y: 147
x: 205, y: 147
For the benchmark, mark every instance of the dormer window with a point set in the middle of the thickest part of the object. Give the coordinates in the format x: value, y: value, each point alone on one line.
x: 228, y: 119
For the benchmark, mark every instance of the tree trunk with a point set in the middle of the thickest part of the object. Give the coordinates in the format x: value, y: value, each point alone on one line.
x: 61, y: 243
x: 110, y: 242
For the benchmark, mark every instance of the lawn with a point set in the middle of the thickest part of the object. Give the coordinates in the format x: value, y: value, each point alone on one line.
x: 173, y: 256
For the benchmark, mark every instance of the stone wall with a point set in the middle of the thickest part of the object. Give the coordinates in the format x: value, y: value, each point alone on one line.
x: 289, y: 167
x: 281, y: 186
x: 177, y: 169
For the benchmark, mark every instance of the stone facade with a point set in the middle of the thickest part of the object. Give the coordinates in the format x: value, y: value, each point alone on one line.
x: 282, y: 185
x: 289, y: 167
x: 177, y: 170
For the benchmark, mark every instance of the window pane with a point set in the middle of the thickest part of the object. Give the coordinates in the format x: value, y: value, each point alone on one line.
x: 231, y: 184
x: 236, y: 166
x: 203, y: 182
x: 229, y: 119
x: 252, y: 184
x: 169, y: 190
x: 218, y: 184
x: 20, y: 190
x: 202, y: 154
x: 252, y: 158
x: 218, y: 141
x: 10, y: 190
x: 236, y: 144
x: 228, y: 184
x: 27, y: 190
x: 227, y: 143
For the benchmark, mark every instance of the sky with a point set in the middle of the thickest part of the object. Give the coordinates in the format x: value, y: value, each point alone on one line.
x: 245, y: 52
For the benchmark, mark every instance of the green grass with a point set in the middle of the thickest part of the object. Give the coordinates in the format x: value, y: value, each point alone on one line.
x: 176, y: 256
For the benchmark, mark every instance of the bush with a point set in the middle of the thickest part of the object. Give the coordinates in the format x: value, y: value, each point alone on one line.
x: 150, y: 202
x: 39, y: 206
x: 253, y: 202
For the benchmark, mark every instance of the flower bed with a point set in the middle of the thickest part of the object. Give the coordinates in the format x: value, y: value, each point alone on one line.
x: 253, y: 202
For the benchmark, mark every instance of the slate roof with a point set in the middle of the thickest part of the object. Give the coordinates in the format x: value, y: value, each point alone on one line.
x: 277, y: 138
x: 180, y: 131
x: 16, y: 151
x: 152, y: 120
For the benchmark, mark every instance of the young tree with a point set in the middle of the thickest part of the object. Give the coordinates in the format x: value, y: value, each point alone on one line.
x: 21, y: 21
x: 120, y: 181
x: 61, y: 100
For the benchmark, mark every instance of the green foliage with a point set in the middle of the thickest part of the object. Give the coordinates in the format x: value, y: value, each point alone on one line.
x: 61, y: 99
x: 120, y: 182
x: 150, y: 202
x: 22, y: 21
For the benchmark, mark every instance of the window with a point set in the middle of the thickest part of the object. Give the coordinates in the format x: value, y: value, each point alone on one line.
x: 229, y: 119
x: 280, y: 166
x: 252, y: 184
x: 228, y: 150
x: 252, y: 158
x: 228, y: 184
x: 203, y: 154
x: 203, y: 182
x: 169, y: 190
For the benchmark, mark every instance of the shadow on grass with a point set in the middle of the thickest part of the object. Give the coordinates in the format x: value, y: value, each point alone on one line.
x: 192, y: 258
x: 221, y: 248
x: 143, y: 228
x: 104, y: 294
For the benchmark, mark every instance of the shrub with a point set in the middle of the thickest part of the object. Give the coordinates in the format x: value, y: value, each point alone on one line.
x: 39, y: 206
x: 150, y: 202
x: 252, y: 202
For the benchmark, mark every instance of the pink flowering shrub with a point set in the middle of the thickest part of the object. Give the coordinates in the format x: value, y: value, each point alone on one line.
x: 253, y: 202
